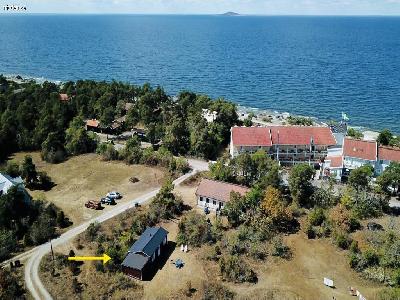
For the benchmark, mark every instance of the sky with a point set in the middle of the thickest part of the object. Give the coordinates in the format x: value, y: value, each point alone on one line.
x: 258, y: 7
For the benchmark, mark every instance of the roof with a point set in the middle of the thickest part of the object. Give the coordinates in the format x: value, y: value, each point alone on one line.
x: 336, y: 161
x: 149, y: 241
x: 135, y: 261
x: 302, y: 135
x: 251, y: 136
x: 92, y: 123
x: 282, y: 135
x: 389, y: 153
x: 219, y: 190
x: 6, y: 182
x: 360, y: 149
x: 64, y: 97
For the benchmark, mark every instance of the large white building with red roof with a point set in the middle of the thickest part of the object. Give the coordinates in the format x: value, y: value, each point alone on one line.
x: 286, y: 144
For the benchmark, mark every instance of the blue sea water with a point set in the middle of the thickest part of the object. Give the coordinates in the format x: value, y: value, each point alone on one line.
x: 317, y: 66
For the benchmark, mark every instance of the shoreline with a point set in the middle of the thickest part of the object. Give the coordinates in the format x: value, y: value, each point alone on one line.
x: 278, y: 117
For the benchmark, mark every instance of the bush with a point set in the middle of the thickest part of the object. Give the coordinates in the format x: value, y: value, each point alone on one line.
x: 215, y: 291
x: 107, y: 151
x: 342, y: 240
x: 92, y: 231
x: 310, y: 231
x: 235, y: 269
x: 8, y: 244
x: 396, y: 277
x: 316, y: 217
x: 280, y: 249
x: 193, y: 230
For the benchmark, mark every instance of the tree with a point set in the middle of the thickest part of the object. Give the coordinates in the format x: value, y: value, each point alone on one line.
x: 28, y: 171
x: 77, y: 140
x: 8, y: 243
x: 53, y: 150
x: 133, y: 151
x: 12, y: 169
x: 385, y: 137
x: 220, y: 171
x: 355, y: 133
x: 360, y: 177
x: 176, y: 138
x: 193, y: 230
x: 273, y: 205
x: 300, y: 185
x: 234, y: 209
x: 9, y: 286
x: 390, y: 177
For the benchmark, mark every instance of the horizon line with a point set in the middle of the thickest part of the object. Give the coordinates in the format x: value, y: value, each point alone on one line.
x: 196, y: 14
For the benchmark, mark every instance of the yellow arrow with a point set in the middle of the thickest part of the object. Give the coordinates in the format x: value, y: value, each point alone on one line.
x: 105, y: 258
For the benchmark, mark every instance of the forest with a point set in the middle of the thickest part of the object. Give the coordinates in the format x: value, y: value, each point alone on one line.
x: 33, y: 117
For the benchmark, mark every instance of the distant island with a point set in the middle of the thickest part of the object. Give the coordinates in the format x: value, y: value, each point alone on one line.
x: 230, y: 13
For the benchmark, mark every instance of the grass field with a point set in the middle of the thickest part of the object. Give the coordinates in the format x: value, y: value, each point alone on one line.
x: 298, y: 278
x: 87, y: 177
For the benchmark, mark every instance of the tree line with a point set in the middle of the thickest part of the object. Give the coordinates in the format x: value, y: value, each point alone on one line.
x: 32, y: 117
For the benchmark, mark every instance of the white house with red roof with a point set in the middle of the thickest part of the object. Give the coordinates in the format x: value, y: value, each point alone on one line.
x: 357, y: 153
x: 286, y: 144
x: 215, y: 194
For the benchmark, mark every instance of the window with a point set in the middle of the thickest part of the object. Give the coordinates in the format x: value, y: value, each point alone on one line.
x: 207, y: 200
x: 214, y: 202
x: 201, y: 199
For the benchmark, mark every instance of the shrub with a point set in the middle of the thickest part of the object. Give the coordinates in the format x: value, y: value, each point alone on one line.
x: 310, y: 231
x: 316, y: 217
x: 342, y: 240
x: 107, y: 151
x: 280, y: 249
x: 214, y: 291
x: 92, y: 231
x: 235, y: 269
x: 193, y: 230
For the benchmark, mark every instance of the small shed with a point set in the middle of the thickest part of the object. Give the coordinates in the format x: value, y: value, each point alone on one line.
x: 144, y: 255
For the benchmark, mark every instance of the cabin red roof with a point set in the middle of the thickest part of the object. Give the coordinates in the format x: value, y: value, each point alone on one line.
x: 388, y: 153
x: 282, y: 135
x: 336, y: 161
x: 251, y: 136
x: 219, y: 190
x: 92, y: 123
x: 302, y: 135
x: 359, y: 149
x: 64, y: 97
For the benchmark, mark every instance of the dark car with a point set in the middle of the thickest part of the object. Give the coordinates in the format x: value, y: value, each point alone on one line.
x: 108, y: 201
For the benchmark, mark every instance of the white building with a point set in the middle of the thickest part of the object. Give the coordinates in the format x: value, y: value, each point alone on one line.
x: 7, y: 182
x: 210, y: 116
x: 215, y: 194
x: 287, y: 144
x: 357, y: 153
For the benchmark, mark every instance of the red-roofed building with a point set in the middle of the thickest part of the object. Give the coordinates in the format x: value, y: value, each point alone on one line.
x: 357, y: 153
x: 215, y: 194
x: 386, y: 155
x: 92, y: 124
x: 287, y: 144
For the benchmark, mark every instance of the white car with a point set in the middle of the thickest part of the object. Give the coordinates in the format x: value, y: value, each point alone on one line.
x: 114, y: 195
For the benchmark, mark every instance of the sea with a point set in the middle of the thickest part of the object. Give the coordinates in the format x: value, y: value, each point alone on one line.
x: 304, y: 65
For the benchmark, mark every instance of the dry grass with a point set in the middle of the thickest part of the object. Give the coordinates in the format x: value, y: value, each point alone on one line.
x: 299, y: 278
x: 87, y: 177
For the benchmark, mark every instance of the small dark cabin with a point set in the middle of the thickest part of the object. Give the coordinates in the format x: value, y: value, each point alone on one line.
x: 144, y: 255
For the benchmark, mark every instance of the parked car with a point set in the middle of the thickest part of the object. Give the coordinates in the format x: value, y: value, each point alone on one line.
x: 108, y: 201
x: 114, y: 195
x: 93, y: 204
